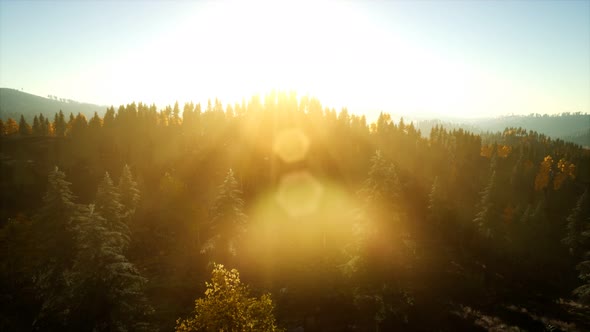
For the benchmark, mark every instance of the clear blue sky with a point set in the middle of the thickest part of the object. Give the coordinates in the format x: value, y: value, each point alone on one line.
x: 457, y: 58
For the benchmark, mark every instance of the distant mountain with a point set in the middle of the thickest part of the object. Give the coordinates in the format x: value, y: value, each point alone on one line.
x: 13, y: 103
x: 572, y: 127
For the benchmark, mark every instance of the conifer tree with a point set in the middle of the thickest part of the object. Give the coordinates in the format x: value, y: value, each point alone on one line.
x: 128, y: 191
x: 382, y: 184
x: 106, y: 290
x: 23, y: 127
x: 55, y: 233
x: 36, y: 127
x: 108, y: 206
x: 228, y: 219
x: 488, y: 215
x: 59, y: 124
x: 43, y: 123
x: 435, y: 208
x: 577, y: 224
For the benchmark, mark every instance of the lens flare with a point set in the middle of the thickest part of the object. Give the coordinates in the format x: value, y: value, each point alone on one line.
x: 291, y: 145
x: 299, y: 194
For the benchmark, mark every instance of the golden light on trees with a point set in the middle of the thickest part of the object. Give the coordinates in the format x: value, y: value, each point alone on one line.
x: 542, y: 179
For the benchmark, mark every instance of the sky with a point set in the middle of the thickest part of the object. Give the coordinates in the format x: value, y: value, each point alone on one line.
x: 425, y: 58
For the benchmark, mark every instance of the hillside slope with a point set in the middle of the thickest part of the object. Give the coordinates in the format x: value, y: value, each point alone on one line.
x: 13, y: 103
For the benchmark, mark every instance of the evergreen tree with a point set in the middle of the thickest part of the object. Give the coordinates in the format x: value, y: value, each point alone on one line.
x: 54, y: 232
x: 106, y: 290
x: 36, y: 127
x: 78, y: 126
x: 95, y: 122
x: 59, y: 124
x: 435, y: 203
x: 128, y: 191
x: 576, y: 225
x: 108, y: 206
x: 488, y: 215
x: 109, y: 118
x: 43, y: 123
x: 382, y: 184
x: 228, y: 219
x: 23, y: 127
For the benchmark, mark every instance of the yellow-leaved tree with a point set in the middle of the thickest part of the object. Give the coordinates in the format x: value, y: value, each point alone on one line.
x: 543, y: 176
x: 227, y: 306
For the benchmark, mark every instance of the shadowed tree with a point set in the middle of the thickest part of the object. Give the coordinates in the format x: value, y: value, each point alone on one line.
x: 488, y: 214
x: 108, y: 206
x: 228, y: 219
x: 36, y: 127
x: 59, y: 124
x: 54, y: 232
x: 105, y: 289
x: 23, y: 127
x: 128, y: 191
x: 577, y: 224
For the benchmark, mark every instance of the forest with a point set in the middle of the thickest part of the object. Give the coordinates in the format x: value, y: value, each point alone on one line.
x: 281, y: 214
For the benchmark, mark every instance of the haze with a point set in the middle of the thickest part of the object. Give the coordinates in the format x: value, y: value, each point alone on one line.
x: 463, y: 59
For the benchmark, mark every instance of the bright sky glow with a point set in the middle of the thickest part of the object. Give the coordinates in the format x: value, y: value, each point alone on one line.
x: 453, y: 58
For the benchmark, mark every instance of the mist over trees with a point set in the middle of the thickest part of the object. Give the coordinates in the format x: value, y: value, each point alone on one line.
x: 281, y: 213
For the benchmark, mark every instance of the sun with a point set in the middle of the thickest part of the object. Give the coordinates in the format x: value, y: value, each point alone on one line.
x: 336, y: 51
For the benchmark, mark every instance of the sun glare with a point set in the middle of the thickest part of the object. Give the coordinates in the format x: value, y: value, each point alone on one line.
x: 335, y: 52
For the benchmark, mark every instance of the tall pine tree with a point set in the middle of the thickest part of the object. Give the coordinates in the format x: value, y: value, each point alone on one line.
x: 228, y: 219
x: 55, y: 234
x: 106, y: 290
x: 128, y: 191
x: 108, y: 206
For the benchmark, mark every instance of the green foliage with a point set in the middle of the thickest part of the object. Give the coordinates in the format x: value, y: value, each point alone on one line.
x: 228, y: 306
x: 55, y: 248
x: 105, y: 290
x: 84, y: 266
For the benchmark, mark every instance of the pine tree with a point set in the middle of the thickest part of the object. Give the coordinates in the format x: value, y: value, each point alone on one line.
x: 579, y: 219
x: 23, y: 127
x: 54, y: 233
x: 108, y: 206
x: 59, y: 124
x: 44, y: 124
x: 435, y: 204
x: 228, y: 219
x: 78, y: 126
x: 576, y: 225
x: 488, y: 215
x: 128, y: 191
x: 109, y: 118
x: 95, y: 123
x: 106, y: 290
x: 36, y: 127
x: 382, y: 184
